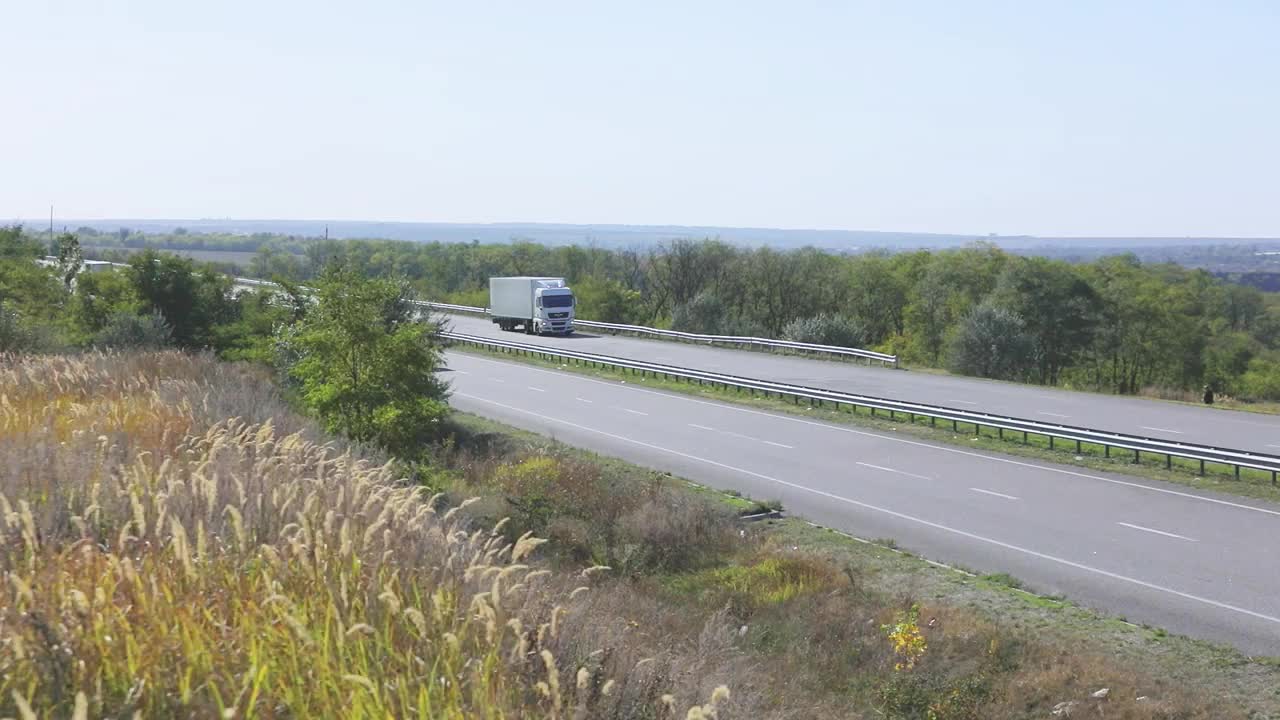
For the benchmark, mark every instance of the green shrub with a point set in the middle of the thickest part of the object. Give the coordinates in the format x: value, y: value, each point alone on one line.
x: 126, y: 330
x: 826, y: 329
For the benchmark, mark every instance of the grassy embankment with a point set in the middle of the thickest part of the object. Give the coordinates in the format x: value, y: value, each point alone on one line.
x: 1219, y: 478
x: 178, y: 543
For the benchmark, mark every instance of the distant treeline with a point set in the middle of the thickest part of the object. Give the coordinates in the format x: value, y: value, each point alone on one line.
x: 1114, y: 324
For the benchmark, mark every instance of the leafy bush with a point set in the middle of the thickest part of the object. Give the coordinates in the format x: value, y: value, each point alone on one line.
x: 992, y: 342
x: 704, y: 314
x: 14, y: 336
x: 1262, y: 380
x: 366, y: 365
x: 825, y: 329
x: 18, y: 335
x: 126, y: 330
x: 606, y: 301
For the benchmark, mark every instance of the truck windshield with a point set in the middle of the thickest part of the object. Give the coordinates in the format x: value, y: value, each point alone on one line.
x: 557, y: 301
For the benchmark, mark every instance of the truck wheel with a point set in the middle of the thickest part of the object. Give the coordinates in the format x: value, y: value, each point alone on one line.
x: 528, y: 327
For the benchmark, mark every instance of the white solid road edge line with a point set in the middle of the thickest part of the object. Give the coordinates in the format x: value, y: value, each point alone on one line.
x: 993, y: 492
x: 902, y: 516
x: 1157, y: 532
x: 840, y: 428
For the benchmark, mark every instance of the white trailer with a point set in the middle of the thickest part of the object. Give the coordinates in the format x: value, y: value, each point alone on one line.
x: 538, y: 304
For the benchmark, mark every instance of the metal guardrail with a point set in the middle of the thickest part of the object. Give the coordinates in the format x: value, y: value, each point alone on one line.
x: 868, y: 355
x: 1236, y: 459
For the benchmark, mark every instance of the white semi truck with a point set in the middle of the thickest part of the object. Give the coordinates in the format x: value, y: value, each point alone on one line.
x: 538, y: 304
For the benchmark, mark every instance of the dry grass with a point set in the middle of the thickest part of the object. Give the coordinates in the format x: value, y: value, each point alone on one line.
x: 176, y: 543
x: 166, y: 554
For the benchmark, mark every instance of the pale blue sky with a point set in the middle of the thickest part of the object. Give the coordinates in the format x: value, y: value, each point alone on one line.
x: 1051, y: 118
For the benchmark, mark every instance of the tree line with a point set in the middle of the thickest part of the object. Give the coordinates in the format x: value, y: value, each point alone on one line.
x: 1113, y: 324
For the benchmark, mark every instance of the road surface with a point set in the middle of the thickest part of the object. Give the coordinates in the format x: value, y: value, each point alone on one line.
x: 1190, y: 562
x: 1135, y: 416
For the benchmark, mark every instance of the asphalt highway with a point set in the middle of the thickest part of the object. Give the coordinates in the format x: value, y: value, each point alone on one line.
x: 1194, y: 563
x: 1135, y: 416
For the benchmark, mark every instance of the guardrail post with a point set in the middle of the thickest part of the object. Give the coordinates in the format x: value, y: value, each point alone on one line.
x: 1202, y: 467
x: 1077, y: 447
x: 1106, y: 450
x: 955, y: 426
x: 1137, y: 458
x: 1168, y: 462
x: 1050, y: 441
x: 1001, y: 432
x: 1237, y: 472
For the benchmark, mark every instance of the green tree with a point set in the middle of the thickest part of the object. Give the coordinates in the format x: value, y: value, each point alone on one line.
x: 192, y: 300
x: 70, y: 258
x: 606, y: 301
x: 259, y: 316
x: 98, y: 297
x: 365, y: 364
x: 877, y: 296
x: 1138, y: 329
x: 1058, y: 307
x: 1262, y: 380
x: 31, y: 296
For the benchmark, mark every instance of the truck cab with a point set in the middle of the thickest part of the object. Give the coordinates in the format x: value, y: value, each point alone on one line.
x: 553, y: 309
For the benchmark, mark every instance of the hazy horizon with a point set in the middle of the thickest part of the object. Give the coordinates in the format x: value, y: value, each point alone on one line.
x: 1140, y: 120
x: 619, y: 236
